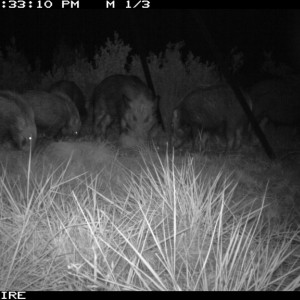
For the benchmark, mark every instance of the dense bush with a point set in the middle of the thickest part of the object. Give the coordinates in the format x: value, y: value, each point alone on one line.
x: 15, y: 70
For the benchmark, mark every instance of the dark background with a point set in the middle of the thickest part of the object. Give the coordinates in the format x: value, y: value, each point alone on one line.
x: 39, y: 31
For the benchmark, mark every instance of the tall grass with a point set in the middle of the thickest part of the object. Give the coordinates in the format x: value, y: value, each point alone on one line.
x: 164, y: 226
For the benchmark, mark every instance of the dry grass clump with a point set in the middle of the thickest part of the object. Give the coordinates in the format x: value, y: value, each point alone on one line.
x: 157, y: 225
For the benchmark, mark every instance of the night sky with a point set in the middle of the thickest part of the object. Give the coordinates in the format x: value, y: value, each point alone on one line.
x: 38, y: 32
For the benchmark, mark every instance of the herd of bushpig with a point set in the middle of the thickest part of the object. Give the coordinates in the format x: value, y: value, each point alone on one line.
x: 126, y: 103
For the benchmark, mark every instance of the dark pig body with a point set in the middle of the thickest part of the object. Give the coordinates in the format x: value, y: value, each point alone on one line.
x: 71, y: 89
x: 277, y: 101
x: 17, y: 120
x: 211, y: 111
x: 126, y: 101
x: 55, y: 114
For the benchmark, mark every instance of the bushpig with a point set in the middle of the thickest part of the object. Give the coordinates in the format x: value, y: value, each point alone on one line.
x: 17, y: 121
x: 209, y: 111
x: 126, y: 101
x: 55, y: 114
x: 71, y: 89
